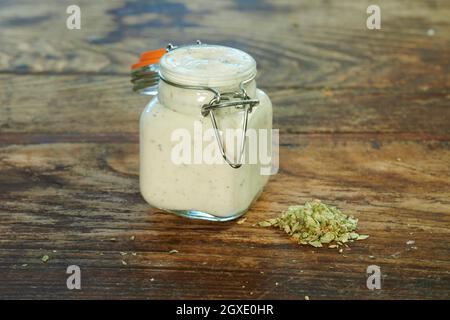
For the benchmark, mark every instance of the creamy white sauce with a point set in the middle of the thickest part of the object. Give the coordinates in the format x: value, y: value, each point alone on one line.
x: 217, y: 189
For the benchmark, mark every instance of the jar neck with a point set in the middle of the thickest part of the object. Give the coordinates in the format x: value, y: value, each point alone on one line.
x: 190, y: 101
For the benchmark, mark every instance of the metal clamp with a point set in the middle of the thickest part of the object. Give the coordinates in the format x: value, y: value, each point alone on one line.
x: 245, y: 103
x: 223, y: 100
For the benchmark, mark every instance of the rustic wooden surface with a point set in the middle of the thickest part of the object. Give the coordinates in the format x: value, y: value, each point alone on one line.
x: 364, y: 119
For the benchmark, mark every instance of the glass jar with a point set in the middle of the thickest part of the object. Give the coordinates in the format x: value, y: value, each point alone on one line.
x: 205, y: 138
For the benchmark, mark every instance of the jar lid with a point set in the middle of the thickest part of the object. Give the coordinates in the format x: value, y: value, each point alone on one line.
x: 207, y: 65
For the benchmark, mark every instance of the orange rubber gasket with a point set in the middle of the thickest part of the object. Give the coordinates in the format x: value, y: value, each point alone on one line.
x: 149, y: 57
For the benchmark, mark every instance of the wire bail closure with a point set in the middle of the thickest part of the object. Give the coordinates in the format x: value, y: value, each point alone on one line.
x: 224, y: 100
x: 245, y: 103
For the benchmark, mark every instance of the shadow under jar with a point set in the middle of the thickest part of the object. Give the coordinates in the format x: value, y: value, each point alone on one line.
x: 204, y: 136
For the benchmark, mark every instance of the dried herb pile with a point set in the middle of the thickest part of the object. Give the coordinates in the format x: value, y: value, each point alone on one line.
x: 317, y: 224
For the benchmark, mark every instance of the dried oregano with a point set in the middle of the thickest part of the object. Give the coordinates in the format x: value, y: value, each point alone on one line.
x: 316, y: 223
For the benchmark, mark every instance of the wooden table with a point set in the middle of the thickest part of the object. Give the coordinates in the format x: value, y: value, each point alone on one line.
x: 364, y: 119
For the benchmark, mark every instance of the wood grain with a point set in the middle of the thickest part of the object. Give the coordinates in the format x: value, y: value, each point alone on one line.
x: 87, y: 208
x: 305, y: 43
x: 364, y: 123
x: 102, y: 104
